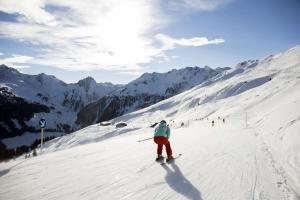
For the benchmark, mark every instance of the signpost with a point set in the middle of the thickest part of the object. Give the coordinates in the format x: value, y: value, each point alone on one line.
x: 42, y: 124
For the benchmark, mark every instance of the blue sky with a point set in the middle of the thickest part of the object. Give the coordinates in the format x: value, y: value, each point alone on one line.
x: 116, y: 41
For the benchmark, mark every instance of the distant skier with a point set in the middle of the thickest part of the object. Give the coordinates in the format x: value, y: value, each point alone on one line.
x: 161, y: 138
x: 213, y: 123
x: 224, y: 120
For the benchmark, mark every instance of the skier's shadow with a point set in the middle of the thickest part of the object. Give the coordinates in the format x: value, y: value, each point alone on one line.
x: 6, y: 171
x: 180, y: 184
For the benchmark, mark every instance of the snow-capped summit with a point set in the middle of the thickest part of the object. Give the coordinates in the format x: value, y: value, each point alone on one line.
x: 87, y: 83
x: 4, y: 68
x: 93, y: 89
x: 7, y: 72
x: 170, y: 83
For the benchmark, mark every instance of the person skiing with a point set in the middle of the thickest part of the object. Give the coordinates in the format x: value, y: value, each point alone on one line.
x: 161, y: 138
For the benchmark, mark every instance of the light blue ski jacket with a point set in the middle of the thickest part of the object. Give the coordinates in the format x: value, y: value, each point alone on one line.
x: 162, y: 130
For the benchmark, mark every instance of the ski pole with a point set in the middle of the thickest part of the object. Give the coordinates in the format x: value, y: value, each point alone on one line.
x: 145, y: 139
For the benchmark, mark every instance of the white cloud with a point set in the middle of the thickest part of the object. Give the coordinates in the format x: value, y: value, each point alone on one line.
x: 131, y: 72
x: 20, y: 67
x: 85, y: 35
x: 170, y: 43
x: 16, y: 61
x: 207, y: 5
x: 31, y: 11
x: 1, y: 54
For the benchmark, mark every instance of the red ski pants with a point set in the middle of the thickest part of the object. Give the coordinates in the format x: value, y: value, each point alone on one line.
x: 160, y: 141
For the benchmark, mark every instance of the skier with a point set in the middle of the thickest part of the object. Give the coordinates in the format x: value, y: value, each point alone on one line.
x: 161, y: 137
x: 213, y: 123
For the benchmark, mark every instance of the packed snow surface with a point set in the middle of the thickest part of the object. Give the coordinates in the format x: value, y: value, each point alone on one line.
x: 255, y: 154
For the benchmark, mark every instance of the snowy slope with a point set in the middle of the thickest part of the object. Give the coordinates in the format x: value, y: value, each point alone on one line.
x: 255, y: 154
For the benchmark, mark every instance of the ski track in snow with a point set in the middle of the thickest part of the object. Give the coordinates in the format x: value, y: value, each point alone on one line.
x: 212, y: 167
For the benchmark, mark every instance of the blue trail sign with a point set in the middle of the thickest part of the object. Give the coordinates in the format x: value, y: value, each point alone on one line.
x: 42, y: 123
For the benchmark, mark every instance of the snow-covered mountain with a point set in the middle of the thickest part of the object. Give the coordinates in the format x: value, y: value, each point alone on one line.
x: 49, y: 90
x: 147, y: 90
x: 255, y: 154
x: 24, y: 99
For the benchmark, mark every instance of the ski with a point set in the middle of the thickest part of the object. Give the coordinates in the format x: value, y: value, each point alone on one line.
x: 178, y: 156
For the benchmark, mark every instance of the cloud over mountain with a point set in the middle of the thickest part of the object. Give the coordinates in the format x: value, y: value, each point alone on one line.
x: 88, y: 35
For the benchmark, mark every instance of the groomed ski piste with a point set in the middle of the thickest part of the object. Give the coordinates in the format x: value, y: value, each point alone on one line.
x: 255, y: 154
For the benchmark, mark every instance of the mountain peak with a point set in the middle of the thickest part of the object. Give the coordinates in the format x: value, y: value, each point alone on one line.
x: 2, y: 66
x: 86, y: 82
x: 5, y: 68
x: 207, y: 67
x: 247, y: 64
